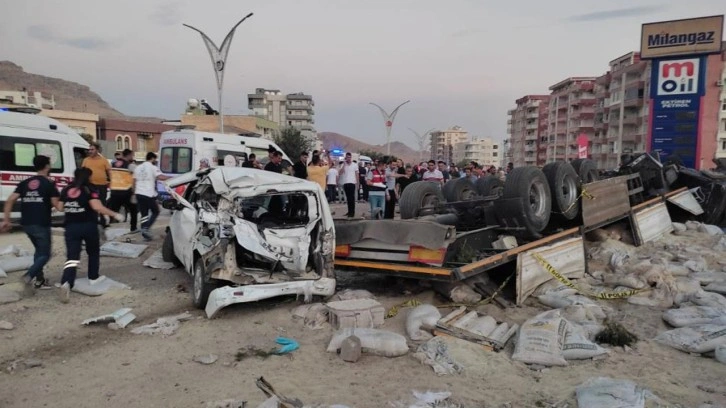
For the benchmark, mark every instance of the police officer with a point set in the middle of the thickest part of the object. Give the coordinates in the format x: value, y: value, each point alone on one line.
x: 122, y: 186
x: 81, y: 205
x: 37, y: 194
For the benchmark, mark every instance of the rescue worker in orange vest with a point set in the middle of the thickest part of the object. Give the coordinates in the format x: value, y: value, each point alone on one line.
x: 122, y: 187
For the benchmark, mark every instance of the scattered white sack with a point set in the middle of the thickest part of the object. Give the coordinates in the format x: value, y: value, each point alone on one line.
x: 464, y: 294
x: 630, y: 281
x: 166, y: 326
x: 678, y: 227
x: 556, y: 301
x: 11, y: 264
x: 13, y: 251
x: 483, y: 326
x: 685, y: 288
x: 693, y: 225
x: 603, y: 392
x: 721, y: 353
x: 588, y: 317
x: 313, y: 315
x: 710, y: 229
x: 8, y: 296
x: 663, y: 296
x: 540, y: 340
x: 576, y: 345
x: 352, y: 294
x: 373, y: 341
x: 694, y: 339
x: 720, y: 245
x: 435, y: 353
x: 696, y: 264
x: 553, y: 287
x: 692, y: 315
x: 83, y: 285
x: 122, y: 249
x: 707, y: 277
x: 717, y: 287
x: 156, y: 261
x: 420, y: 315
x: 677, y: 270
x: 122, y: 317
x: 704, y: 298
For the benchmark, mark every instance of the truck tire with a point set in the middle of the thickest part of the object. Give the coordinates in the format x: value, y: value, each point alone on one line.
x: 418, y: 195
x: 489, y: 185
x: 460, y: 189
x: 529, y: 184
x: 586, y: 169
x: 167, y: 250
x: 202, y: 286
x: 564, y: 186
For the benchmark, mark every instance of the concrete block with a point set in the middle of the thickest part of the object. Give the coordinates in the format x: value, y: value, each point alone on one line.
x: 350, y: 349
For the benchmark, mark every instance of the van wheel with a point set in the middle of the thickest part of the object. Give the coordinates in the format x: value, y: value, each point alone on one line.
x: 202, y: 285
x: 529, y: 184
x: 489, y: 185
x: 586, y: 169
x: 564, y: 187
x: 167, y: 250
x: 459, y: 189
x: 418, y: 196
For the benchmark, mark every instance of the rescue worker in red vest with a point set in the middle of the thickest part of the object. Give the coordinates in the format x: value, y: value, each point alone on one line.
x: 82, y: 205
x: 376, y: 180
x: 122, y: 186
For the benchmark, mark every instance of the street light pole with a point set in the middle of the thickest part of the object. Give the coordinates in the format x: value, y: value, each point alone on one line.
x: 388, y: 122
x: 421, y: 141
x: 219, y: 60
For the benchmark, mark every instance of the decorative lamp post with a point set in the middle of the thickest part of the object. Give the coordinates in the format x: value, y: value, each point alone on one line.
x: 388, y: 122
x: 421, y: 139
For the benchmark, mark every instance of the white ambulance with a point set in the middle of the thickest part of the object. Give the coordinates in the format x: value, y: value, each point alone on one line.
x: 24, y: 136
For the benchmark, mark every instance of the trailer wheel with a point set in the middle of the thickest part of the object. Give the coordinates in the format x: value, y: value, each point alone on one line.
x: 489, y: 185
x: 419, y: 195
x: 586, y: 169
x: 459, y: 189
x: 564, y: 185
x: 529, y: 184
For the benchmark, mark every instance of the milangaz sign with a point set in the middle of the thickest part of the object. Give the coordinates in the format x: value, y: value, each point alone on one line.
x: 681, y: 37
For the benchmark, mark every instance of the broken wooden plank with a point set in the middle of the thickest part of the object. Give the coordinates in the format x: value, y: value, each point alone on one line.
x: 610, y: 201
x: 650, y: 222
x: 567, y: 257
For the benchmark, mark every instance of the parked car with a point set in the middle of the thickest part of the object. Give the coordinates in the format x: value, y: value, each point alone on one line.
x: 246, y: 234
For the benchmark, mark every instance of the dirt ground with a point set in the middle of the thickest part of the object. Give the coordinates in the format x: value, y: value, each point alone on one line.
x: 94, y: 366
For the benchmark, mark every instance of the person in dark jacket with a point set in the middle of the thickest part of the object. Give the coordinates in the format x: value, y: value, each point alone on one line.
x: 82, y: 206
x: 300, y: 169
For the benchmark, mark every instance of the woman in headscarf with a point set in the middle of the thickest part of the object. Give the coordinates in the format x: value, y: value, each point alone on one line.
x: 81, y: 205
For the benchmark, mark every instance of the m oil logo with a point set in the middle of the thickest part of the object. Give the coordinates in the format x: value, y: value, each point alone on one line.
x: 678, y: 77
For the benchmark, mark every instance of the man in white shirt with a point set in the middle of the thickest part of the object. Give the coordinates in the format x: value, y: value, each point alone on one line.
x: 145, y: 176
x: 349, y: 178
x: 332, y: 181
x: 433, y: 174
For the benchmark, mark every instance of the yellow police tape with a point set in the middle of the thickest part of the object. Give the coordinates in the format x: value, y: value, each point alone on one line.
x: 563, y: 279
x: 409, y: 303
x: 583, y: 194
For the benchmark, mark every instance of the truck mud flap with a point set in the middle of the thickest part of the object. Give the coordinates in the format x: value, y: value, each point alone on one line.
x: 228, y: 295
x: 509, y: 214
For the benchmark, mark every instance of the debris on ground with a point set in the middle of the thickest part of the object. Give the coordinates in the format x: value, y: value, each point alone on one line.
x: 615, y: 334
x: 166, y: 326
x: 254, y: 351
x: 288, y: 345
x: 313, y: 315
x: 101, y: 286
x: 352, y: 294
x: 421, y: 315
x: 393, y: 312
x: 720, y: 353
x: 113, y: 233
x: 356, y: 313
x: 122, y: 317
x: 428, y: 399
x: 457, y: 292
x: 350, y: 349
x: 6, y: 325
x: 8, y: 296
x: 373, y: 341
x: 13, y: 251
x: 701, y: 338
x: 206, y: 359
x: 477, y: 328
x: 13, y: 264
x: 604, y: 392
x: 270, y: 392
x: 435, y: 353
x: 156, y: 261
x: 122, y: 249
x: 228, y: 403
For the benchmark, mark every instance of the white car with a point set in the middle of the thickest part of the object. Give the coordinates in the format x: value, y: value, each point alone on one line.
x: 246, y: 234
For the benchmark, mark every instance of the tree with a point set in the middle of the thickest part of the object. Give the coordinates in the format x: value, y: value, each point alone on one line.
x: 292, y: 142
x: 87, y: 137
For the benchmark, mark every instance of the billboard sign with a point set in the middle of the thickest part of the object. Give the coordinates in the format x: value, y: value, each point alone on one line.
x: 582, y: 144
x: 691, y: 36
x: 677, y: 86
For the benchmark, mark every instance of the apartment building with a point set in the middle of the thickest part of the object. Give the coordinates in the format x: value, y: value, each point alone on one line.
x: 34, y: 100
x: 295, y: 110
x: 721, y: 134
x: 484, y: 151
x: 443, y: 143
x: 622, y: 109
x: 527, y: 128
x: 571, y: 114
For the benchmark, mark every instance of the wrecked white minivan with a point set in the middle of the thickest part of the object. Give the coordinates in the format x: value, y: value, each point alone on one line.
x: 246, y: 234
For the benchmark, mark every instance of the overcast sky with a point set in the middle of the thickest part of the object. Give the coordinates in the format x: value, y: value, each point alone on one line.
x: 460, y: 62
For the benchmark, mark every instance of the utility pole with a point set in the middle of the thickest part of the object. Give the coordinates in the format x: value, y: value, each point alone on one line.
x: 219, y: 61
x: 421, y: 139
x: 388, y: 122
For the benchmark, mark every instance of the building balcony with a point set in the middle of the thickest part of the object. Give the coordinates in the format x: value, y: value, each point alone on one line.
x: 633, y: 102
x: 532, y: 115
x: 635, y: 83
x: 299, y: 117
x: 530, y: 148
x: 632, y: 120
x: 299, y: 97
x: 530, y: 137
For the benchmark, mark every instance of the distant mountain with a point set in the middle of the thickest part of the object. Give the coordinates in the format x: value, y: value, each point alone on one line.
x: 70, y: 96
x: 336, y: 140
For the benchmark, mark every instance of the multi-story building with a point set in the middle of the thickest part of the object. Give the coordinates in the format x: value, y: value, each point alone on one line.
x: 25, y: 98
x: 721, y: 135
x: 119, y: 134
x: 295, y: 110
x: 621, y: 112
x: 484, y: 151
x: 571, y: 113
x: 443, y: 143
x: 527, y: 128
